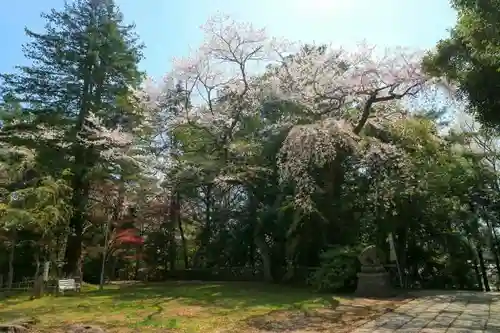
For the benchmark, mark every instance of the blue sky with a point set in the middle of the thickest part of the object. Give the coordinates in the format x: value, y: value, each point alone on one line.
x: 170, y: 27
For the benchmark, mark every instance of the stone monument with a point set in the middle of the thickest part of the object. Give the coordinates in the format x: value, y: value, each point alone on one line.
x: 373, y: 280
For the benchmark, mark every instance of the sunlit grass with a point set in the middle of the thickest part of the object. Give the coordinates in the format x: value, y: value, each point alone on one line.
x: 185, y: 307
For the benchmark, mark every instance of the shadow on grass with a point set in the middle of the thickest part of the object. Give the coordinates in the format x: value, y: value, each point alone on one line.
x: 258, y: 305
x: 225, y: 295
x: 11, y: 301
x: 149, y: 301
x: 337, y: 318
x: 10, y: 315
x: 286, y: 321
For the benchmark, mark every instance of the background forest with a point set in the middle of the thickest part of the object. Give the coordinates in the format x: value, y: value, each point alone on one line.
x: 254, y: 159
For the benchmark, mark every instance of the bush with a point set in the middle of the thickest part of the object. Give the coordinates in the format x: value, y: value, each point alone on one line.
x: 337, y: 271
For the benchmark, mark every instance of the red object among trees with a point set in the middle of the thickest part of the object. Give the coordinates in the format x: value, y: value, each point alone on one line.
x: 128, y: 236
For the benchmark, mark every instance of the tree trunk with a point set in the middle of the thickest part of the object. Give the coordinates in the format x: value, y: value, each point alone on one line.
x: 113, y: 267
x: 495, y: 238
x: 115, y: 216
x: 170, y: 228
x: 290, y: 254
x: 482, y: 265
x: 402, y: 243
x: 497, y: 264
x: 477, y: 273
x: 139, y: 251
x: 264, y: 252
x: 75, y: 237
x: 57, y: 254
x: 104, y: 255
x: 184, y: 242
x: 137, y: 264
x: 207, y: 232
x: 494, y: 250
x: 10, y: 276
x: 199, y: 258
x: 172, y: 251
x: 79, y: 267
x: 74, y: 247
x: 37, y: 264
x: 475, y: 264
x: 38, y: 287
x: 251, y: 255
x: 80, y: 184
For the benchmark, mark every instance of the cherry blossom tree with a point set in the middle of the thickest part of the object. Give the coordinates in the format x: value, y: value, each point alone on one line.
x: 339, y: 90
x: 344, y: 89
x: 332, y: 102
x: 218, y: 80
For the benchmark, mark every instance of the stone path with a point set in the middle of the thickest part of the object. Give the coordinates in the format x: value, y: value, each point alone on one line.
x: 450, y: 312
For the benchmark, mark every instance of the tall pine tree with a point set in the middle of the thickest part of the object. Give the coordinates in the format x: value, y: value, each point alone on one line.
x: 83, y: 64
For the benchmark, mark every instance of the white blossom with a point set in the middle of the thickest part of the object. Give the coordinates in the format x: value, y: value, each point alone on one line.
x: 238, y: 69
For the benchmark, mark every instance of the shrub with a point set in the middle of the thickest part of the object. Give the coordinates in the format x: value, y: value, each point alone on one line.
x: 337, y: 271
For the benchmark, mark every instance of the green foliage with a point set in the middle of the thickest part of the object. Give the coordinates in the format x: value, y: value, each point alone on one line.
x: 87, y: 58
x: 337, y: 270
x: 469, y: 57
x: 74, y: 107
x: 39, y: 208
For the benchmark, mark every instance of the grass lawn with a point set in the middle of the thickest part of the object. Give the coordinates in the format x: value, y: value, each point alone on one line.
x: 197, y: 307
